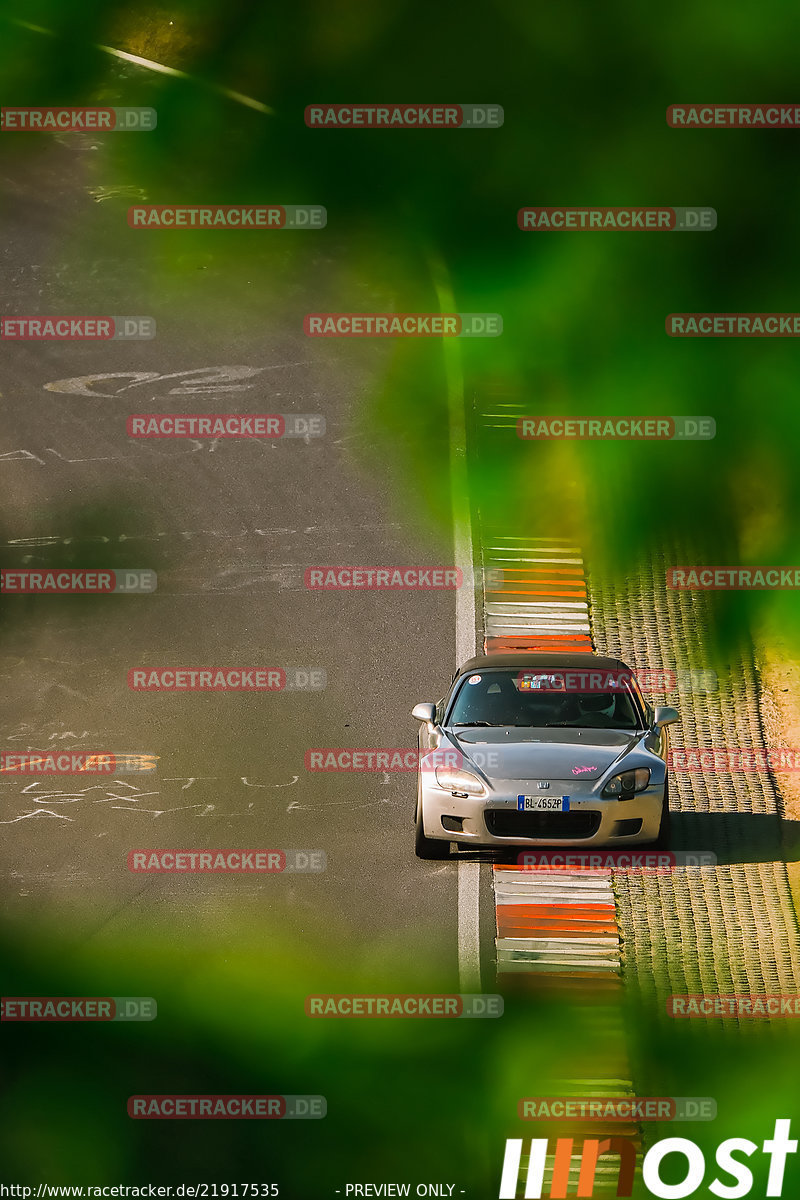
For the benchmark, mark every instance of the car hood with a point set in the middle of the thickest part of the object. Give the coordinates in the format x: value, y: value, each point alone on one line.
x: 576, y: 754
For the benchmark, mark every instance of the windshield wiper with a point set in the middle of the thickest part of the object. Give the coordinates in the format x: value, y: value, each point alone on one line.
x: 591, y: 728
x: 497, y: 725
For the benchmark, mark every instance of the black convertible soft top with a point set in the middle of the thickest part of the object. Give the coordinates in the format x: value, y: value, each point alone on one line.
x: 563, y: 662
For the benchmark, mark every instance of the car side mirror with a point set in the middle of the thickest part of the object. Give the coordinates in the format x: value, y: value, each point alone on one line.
x: 424, y: 712
x: 664, y: 715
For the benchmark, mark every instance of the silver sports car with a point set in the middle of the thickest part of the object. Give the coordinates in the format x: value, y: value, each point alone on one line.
x: 542, y: 750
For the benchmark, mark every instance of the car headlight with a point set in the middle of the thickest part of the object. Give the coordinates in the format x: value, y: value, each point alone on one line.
x: 458, y: 781
x: 628, y: 783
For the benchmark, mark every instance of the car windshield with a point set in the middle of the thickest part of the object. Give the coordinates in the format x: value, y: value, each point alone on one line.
x: 536, y: 700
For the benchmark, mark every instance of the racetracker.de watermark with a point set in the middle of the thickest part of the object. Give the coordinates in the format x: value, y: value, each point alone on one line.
x: 585, y: 219
x: 734, y: 116
x: 225, y: 425
x: 77, y: 329
x: 75, y: 763
x: 617, y: 1108
x: 227, y: 862
x: 77, y: 583
x: 403, y: 325
x: 733, y: 324
x: 181, y: 1107
x: 78, y: 1008
x: 227, y: 216
x: 379, y: 578
x: 361, y: 758
x: 667, y: 429
x: 227, y: 679
x: 644, y: 862
x: 750, y: 1004
x: 404, y: 116
x: 411, y: 1005
x: 57, y: 763
x: 724, y: 579
x: 71, y: 120
x: 649, y: 682
x: 725, y: 759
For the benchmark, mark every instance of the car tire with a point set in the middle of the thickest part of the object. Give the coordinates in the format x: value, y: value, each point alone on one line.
x: 425, y: 847
x: 664, y: 837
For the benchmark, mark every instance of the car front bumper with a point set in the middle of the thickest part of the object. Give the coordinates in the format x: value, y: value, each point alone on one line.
x: 494, y: 820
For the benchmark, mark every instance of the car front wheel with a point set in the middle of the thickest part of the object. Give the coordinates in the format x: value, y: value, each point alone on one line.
x: 664, y: 837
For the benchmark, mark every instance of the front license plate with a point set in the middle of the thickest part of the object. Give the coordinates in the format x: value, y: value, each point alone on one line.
x: 543, y: 803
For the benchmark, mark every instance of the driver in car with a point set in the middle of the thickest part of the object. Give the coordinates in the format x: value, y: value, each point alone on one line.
x: 598, y: 707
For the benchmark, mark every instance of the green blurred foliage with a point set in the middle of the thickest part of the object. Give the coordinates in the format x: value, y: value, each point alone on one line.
x: 584, y: 92
x: 428, y: 1100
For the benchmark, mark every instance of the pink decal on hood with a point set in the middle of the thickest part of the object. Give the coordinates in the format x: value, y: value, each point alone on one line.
x: 582, y: 770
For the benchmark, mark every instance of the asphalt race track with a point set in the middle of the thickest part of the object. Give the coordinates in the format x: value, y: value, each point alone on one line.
x: 230, y: 527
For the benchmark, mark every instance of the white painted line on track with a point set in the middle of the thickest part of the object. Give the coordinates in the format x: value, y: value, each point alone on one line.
x: 469, y: 944
x: 551, y: 626
x: 469, y: 955
x: 468, y: 873
x: 149, y: 65
x: 465, y: 595
x: 521, y: 559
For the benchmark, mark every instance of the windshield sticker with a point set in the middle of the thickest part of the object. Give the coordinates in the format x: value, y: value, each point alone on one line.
x: 474, y: 679
x: 536, y: 683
